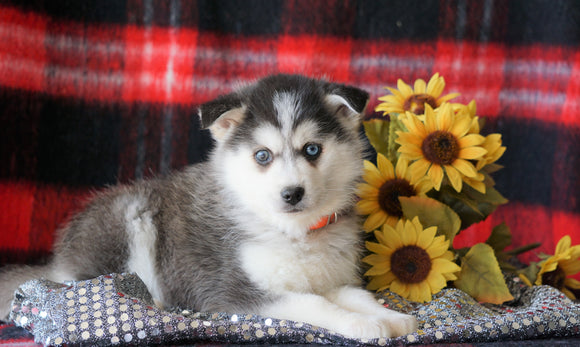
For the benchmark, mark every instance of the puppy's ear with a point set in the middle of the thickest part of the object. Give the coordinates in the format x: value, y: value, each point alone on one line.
x: 347, y: 101
x: 222, y: 115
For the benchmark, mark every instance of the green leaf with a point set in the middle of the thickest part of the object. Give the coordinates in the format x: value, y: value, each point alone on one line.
x: 377, y: 131
x: 500, y: 238
x: 394, y: 126
x: 472, y: 206
x: 481, y: 276
x: 531, y: 272
x: 432, y: 213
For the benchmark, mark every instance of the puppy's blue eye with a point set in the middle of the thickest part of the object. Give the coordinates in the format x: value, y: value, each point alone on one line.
x: 312, y: 151
x: 263, y: 157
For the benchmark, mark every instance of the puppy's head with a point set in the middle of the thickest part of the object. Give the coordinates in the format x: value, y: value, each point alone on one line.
x: 288, y: 148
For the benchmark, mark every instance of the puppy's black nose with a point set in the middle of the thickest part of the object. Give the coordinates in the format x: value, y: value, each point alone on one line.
x: 292, y: 195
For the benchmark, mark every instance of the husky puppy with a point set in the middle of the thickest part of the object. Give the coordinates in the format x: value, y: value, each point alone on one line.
x: 266, y: 226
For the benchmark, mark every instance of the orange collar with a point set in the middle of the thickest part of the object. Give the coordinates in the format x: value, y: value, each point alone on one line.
x: 325, y: 221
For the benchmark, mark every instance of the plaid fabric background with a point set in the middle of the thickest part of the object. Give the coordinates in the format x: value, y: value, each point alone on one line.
x: 96, y: 92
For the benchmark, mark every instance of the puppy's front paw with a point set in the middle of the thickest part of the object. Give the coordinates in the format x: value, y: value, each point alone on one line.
x: 360, y: 326
x: 399, y: 324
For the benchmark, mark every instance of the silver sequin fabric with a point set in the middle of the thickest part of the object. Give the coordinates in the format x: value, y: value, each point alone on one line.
x: 118, y: 310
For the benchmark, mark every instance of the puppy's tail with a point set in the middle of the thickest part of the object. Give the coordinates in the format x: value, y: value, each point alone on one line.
x: 11, y: 277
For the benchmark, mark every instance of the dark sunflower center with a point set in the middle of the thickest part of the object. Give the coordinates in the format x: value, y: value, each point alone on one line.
x: 554, y: 278
x: 416, y: 103
x: 389, y: 195
x: 411, y: 264
x: 440, y: 147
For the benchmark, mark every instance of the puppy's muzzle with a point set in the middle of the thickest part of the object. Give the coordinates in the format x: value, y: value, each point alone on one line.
x: 292, y: 195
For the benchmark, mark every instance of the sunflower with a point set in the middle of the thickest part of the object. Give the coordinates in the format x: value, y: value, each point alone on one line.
x: 495, y: 150
x: 556, y: 269
x: 442, y: 145
x: 410, y: 261
x: 405, y: 98
x: 380, y: 194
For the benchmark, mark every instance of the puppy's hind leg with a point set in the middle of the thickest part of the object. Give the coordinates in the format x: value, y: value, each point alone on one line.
x: 12, y: 276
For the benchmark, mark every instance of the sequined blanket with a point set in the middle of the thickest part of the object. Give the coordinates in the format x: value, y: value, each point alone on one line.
x: 118, y: 309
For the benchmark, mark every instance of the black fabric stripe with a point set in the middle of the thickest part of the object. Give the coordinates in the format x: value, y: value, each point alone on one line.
x: 538, y: 21
x: 396, y: 19
x: 512, y: 22
x: 250, y: 17
x: 541, y: 163
x: 88, y: 11
x: 20, y: 114
x: 78, y: 144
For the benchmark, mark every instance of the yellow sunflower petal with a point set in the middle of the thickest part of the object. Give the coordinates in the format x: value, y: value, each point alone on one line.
x: 405, y: 138
x: 454, y: 178
x: 570, y: 267
x: 436, y: 281
x: 372, y: 175
x: 420, y: 86
x: 374, y: 259
x: 396, y: 93
x: 444, y: 266
x: 405, y: 89
x: 465, y: 167
x: 400, y: 288
x: 447, y: 97
x: 470, y: 140
x: 430, y: 119
x: 378, y: 269
x: 563, y: 245
x: 419, y: 169
x: 435, y: 173
x: 435, y: 85
x: 423, y: 186
x: 460, y: 126
x: 383, y: 240
x: 425, y: 238
x: 474, y: 152
x: 382, y: 281
x: 401, y: 168
x: 409, y: 235
x: 475, y: 184
x: 366, y: 191
x: 375, y: 220
x: 414, y: 124
x: 438, y: 247
x: 366, y: 207
x: 420, y: 292
x: 411, y: 152
x: 444, y: 118
x: 378, y: 248
x: 393, y: 236
x: 385, y: 167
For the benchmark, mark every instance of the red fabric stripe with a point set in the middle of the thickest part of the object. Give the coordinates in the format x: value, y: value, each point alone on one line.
x: 315, y: 56
x: 571, y: 108
x: 16, y: 204
x: 159, y: 64
x: 22, y: 50
x: 31, y: 213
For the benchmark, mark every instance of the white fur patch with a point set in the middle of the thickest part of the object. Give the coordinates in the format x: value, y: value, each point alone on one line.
x: 142, y: 235
x: 287, y: 106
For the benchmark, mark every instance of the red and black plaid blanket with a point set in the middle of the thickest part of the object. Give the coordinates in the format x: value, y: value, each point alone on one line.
x: 96, y: 92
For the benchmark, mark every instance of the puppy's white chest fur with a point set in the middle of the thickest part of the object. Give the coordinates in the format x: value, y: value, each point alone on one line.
x: 313, y: 264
